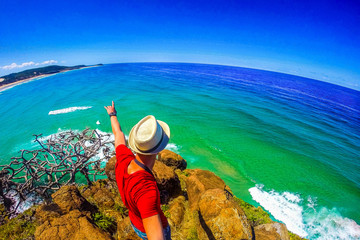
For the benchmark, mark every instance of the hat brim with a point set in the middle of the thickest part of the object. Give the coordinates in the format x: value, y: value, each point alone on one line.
x: 162, y: 145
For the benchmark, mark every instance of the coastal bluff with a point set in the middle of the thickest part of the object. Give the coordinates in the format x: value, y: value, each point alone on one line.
x: 197, y: 203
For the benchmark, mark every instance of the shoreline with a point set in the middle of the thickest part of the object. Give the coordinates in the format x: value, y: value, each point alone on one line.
x: 14, y: 84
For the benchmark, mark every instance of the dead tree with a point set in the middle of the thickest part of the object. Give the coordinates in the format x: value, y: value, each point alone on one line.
x: 61, y: 159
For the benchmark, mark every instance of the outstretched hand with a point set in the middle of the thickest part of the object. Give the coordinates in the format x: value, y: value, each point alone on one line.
x: 115, y: 125
x: 111, y: 108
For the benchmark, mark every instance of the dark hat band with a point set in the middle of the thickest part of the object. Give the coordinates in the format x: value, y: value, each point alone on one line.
x: 157, y: 145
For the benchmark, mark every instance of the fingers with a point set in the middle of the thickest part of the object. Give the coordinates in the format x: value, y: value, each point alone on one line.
x: 110, y: 107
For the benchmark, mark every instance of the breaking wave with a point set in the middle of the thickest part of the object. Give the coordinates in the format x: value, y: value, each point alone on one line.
x: 304, y: 217
x: 67, y: 110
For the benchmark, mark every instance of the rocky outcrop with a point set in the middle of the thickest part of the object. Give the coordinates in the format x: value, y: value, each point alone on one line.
x: 172, y: 159
x: 110, y: 168
x: 69, y: 198
x: 99, y: 195
x: 271, y: 231
x: 167, y: 181
x: 197, y: 204
x: 47, y: 212
x: 198, y: 182
x: 104, y: 194
x: 125, y: 231
x: 68, y: 217
x: 221, y: 217
x: 177, y: 211
x: 73, y: 225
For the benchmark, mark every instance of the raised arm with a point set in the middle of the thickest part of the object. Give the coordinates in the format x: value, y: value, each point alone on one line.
x: 115, y: 125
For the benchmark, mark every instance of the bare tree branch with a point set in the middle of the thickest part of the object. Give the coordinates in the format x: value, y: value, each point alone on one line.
x: 62, y: 159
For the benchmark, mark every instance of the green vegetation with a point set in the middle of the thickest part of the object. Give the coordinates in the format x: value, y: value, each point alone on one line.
x: 182, y: 176
x: 82, y: 187
x: 122, y: 210
x: 14, y: 77
x: 3, y: 214
x: 255, y: 215
x: 295, y: 237
x: 186, y: 173
x: 102, y: 183
x: 21, y: 227
x: 165, y: 209
x: 192, y: 232
x: 104, y: 222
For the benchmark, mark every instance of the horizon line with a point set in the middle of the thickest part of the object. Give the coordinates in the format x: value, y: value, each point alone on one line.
x: 259, y: 69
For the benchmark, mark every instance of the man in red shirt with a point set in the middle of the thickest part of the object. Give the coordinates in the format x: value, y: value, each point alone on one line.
x: 135, y: 180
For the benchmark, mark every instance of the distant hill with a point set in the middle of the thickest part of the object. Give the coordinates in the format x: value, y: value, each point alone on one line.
x: 14, y: 77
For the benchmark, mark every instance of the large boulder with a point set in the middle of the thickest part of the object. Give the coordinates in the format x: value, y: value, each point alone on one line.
x: 105, y: 195
x: 271, y: 231
x: 73, y: 225
x: 69, y: 198
x: 198, y: 182
x: 172, y: 159
x: 177, y: 211
x: 47, y: 212
x: 99, y: 194
x: 221, y: 217
x: 167, y: 181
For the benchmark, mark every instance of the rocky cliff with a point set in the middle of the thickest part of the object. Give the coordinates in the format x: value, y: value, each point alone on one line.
x: 197, y: 203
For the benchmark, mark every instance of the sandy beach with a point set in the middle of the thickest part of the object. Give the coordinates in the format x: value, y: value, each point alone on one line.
x: 11, y: 85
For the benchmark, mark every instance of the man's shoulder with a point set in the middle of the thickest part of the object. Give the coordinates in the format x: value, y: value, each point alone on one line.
x: 142, y: 176
x: 123, y: 150
x: 140, y: 184
x: 141, y: 180
x: 123, y: 155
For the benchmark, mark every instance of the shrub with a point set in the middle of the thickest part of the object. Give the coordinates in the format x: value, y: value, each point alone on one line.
x: 255, y: 215
x: 21, y: 227
x: 122, y: 210
x: 104, y: 222
x: 165, y: 209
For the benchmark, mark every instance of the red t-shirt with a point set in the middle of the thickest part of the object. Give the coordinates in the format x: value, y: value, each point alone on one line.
x: 138, y: 190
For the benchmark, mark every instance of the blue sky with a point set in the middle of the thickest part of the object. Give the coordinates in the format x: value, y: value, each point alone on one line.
x: 316, y: 39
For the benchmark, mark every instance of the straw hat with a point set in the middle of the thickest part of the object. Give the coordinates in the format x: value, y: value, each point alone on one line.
x: 149, y: 136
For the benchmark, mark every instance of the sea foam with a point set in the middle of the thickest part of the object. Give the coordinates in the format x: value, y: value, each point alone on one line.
x: 304, y: 217
x: 108, y: 137
x: 22, y: 206
x: 67, y: 110
x: 173, y: 147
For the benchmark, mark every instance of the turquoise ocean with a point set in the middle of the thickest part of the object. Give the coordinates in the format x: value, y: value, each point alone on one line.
x: 287, y: 143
